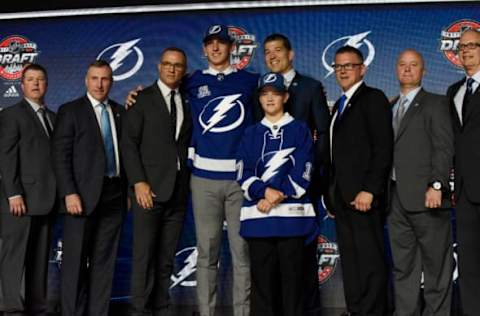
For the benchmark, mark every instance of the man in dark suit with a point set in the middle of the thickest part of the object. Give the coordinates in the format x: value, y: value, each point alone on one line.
x: 464, y: 97
x: 306, y: 102
x: 361, y: 139
x: 419, y: 221
x: 90, y: 181
x: 156, y: 136
x: 28, y: 196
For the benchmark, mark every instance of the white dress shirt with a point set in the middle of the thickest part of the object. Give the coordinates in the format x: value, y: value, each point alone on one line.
x: 36, y: 107
x: 458, y: 99
x: 166, y: 92
x: 288, y: 77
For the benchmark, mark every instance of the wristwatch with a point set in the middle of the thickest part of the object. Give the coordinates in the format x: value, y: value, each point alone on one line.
x: 436, y: 185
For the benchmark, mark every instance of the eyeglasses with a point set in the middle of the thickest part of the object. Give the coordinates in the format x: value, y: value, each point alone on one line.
x: 346, y: 67
x: 468, y: 46
x: 176, y: 66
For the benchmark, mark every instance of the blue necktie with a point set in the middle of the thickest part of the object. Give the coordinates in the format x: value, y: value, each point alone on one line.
x: 110, y: 170
x: 341, y: 105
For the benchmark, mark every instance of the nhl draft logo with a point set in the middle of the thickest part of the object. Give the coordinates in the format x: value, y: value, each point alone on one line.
x: 328, y: 255
x: 244, y: 46
x: 358, y: 41
x: 222, y: 114
x: 451, y: 37
x: 187, y: 265
x: 123, y: 63
x: 15, y: 52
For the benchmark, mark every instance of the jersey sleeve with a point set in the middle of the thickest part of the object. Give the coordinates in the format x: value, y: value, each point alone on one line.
x: 296, y: 182
x: 253, y: 187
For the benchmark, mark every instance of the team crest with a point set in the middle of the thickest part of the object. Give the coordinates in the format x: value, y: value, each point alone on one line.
x: 222, y: 114
x: 203, y: 91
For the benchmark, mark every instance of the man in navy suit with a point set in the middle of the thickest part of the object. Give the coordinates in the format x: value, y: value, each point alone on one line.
x: 464, y: 97
x: 306, y: 102
x: 27, y: 196
x: 93, y: 188
x: 360, y: 157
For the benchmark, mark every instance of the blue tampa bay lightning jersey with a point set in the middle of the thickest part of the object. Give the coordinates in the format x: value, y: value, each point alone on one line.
x: 276, y: 155
x: 221, y: 106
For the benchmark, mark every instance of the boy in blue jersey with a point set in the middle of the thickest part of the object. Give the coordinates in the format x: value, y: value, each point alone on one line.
x: 220, y: 99
x: 274, y: 168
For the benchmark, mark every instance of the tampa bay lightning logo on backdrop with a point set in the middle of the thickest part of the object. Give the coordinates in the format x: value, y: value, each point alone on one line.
x: 222, y: 114
x: 124, y: 65
x: 357, y: 40
x: 184, y: 270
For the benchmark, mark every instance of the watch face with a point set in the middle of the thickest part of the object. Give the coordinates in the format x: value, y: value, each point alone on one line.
x: 437, y: 185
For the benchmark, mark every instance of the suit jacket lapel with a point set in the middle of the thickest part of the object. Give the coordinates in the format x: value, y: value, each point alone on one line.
x: 116, y: 118
x: 92, y: 117
x: 292, y: 91
x: 412, y: 110
x: 473, y: 108
x: 162, y: 103
x: 453, y: 107
x: 31, y: 113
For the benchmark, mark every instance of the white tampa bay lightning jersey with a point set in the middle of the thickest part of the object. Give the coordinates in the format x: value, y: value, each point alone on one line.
x: 276, y: 155
x: 221, y: 106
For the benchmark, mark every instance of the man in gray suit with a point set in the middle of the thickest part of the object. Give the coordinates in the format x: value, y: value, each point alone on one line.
x: 419, y: 220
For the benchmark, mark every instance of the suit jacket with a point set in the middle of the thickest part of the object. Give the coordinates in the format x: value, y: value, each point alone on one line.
x: 78, y: 151
x: 25, y: 160
x: 148, y: 144
x: 362, y: 144
x: 423, y: 149
x: 467, y: 138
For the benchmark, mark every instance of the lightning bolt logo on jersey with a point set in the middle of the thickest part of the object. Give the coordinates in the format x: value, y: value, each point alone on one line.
x: 221, y: 111
x: 222, y: 114
x: 277, y: 156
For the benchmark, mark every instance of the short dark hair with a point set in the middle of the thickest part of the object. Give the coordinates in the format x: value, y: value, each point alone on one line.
x: 36, y: 67
x: 278, y: 37
x: 350, y: 49
x: 174, y: 49
x: 100, y: 63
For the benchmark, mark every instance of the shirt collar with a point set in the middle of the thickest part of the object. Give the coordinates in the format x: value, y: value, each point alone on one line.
x: 288, y: 77
x: 412, y: 94
x: 35, y: 106
x: 286, y: 118
x: 164, y: 89
x: 214, y: 72
x: 349, y: 93
x: 476, y: 77
x: 94, y: 101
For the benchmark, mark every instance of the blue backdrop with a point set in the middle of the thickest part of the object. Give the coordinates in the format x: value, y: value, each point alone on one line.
x: 132, y: 43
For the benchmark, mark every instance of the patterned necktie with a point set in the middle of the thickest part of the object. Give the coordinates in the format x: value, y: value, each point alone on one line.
x: 173, y: 113
x: 48, y: 128
x: 341, y: 105
x: 111, y: 168
x: 466, y: 98
x: 399, y: 114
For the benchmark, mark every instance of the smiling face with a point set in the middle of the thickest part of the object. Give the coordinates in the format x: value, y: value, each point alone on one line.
x: 348, y: 78
x: 34, y: 85
x: 277, y: 57
x: 272, y: 102
x: 98, y: 82
x: 410, y: 69
x: 470, y: 57
x: 218, y: 53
